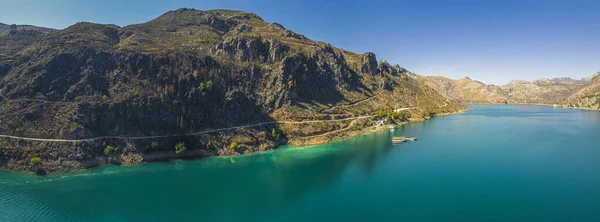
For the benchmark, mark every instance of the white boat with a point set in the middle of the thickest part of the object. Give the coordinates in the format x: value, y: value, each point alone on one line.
x: 392, y: 127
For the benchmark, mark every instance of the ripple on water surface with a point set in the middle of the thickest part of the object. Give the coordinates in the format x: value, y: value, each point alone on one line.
x: 492, y: 163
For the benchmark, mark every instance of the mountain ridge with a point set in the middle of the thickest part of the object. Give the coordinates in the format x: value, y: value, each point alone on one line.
x: 4, y: 28
x: 563, y: 91
x: 191, y: 71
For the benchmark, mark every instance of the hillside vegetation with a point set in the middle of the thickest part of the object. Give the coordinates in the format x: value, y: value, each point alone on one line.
x: 189, y: 71
x: 5, y: 29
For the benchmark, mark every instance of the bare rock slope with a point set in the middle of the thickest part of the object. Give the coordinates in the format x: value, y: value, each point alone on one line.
x: 562, y: 91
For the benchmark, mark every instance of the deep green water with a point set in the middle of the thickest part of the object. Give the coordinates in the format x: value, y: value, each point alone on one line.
x: 492, y: 163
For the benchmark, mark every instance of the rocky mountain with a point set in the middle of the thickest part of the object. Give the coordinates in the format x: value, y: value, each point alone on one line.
x: 587, y: 97
x: 466, y: 90
x: 12, y: 43
x: 541, y: 91
x: 181, y: 85
x: 4, y: 28
x: 568, y: 80
x: 563, y: 91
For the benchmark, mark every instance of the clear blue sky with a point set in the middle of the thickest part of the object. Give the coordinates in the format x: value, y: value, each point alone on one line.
x: 491, y: 41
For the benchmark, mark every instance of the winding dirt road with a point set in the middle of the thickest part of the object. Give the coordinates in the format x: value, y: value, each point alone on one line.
x: 207, y: 131
x: 177, y: 135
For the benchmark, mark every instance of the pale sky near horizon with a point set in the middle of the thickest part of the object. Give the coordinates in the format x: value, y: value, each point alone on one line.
x: 490, y: 41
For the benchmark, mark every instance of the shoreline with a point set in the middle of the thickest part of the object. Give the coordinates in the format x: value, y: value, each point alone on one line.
x: 134, y: 159
x: 535, y: 104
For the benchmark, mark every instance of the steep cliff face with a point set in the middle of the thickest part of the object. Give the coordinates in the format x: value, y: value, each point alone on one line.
x: 368, y: 63
x: 189, y: 71
x: 251, y: 50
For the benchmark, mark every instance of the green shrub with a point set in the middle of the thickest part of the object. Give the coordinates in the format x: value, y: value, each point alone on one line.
x: 391, y: 116
x: 389, y: 119
x: 275, y: 135
x: 206, y: 85
x: 12, y: 29
x: 154, y: 145
x: 180, y: 148
x: 380, y: 113
x: 233, y: 145
x: 403, y: 116
x: 36, y: 161
x: 109, y: 150
x: 209, y: 84
x: 209, y: 145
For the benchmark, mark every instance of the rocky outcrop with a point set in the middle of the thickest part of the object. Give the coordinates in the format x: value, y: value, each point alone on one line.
x: 243, y: 28
x: 305, y: 79
x: 278, y: 25
x: 385, y: 68
x: 368, y: 63
x: 567, y: 80
x: 250, y: 49
x: 334, y: 65
x: 291, y: 34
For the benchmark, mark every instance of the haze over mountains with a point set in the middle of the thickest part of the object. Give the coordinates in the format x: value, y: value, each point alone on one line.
x: 565, y: 91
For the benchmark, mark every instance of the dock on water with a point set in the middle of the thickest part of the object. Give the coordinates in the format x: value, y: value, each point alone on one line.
x: 401, y: 139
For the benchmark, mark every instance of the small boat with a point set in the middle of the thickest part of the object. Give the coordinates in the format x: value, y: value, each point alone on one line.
x: 401, y: 139
x: 392, y: 127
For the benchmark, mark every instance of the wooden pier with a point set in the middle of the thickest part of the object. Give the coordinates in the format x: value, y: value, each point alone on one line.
x: 402, y: 139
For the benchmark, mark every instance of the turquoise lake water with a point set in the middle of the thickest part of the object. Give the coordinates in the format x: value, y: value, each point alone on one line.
x: 492, y: 163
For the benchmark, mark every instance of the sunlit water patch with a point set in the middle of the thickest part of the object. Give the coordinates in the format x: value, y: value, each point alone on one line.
x: 492, y: 163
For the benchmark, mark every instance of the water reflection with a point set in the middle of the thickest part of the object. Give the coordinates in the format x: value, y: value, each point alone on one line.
x: 218, y: 188
x: 467, y: 167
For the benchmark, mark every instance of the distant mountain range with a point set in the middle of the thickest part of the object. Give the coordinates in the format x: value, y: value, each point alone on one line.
x: 583, y: 93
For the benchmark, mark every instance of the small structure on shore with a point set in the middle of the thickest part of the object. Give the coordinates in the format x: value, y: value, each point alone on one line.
x: 380, y: 122
x: 402, y: 139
